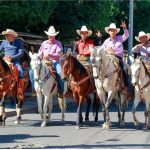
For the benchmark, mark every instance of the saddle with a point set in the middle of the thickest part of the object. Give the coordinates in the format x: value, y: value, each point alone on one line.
x: 89, y: 70
x: 55, y: 75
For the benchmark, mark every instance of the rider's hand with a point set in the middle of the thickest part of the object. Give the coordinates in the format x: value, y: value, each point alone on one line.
x: 8, y: 58
x: 123, y: 25
x: 46, y: 57
x: 139, y: 45
x: 98, y: 33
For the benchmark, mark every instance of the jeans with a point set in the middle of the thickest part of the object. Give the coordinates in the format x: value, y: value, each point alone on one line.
x: 57, y: 66
x: 31, y: 78
x: 124, y: 70
x: 21, y: 75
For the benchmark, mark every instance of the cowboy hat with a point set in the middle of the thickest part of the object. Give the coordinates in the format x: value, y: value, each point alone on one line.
x: 84, y: 29
x: 112, y: 26
x: 51, y: 31
x: 10, y: 31
x: 142, y: 33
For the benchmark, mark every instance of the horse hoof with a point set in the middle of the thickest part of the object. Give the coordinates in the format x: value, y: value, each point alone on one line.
x: 16, y: 122
x: 106, y: 126
x: 62, y: 120
x: 145, y: 128
x: 137, y: 123
x: 77, y: 127
x: 43, y: 124
x: 122, y: 123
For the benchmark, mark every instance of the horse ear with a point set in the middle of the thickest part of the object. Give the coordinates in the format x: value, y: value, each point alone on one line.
x: 30, y: 54
x: 131, y: 58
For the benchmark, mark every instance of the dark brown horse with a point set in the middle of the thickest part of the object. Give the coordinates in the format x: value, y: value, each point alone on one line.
x: 80, y: 85
x: 9, y: 86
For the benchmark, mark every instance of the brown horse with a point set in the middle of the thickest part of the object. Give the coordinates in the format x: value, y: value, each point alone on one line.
x: 80, y: 85
x: 9, y: 86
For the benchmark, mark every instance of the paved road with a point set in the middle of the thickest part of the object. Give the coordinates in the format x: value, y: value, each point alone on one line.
x: 59, y: 134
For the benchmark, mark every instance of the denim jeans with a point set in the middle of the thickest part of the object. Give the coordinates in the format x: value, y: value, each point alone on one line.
x: 57, y: 66
x: 21, y: 75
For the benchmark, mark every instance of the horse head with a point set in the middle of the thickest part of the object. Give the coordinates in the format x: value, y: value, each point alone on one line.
x: 36, y: 65
x: 135, y: 71
x: 96, y: 60
x: 67, y: 65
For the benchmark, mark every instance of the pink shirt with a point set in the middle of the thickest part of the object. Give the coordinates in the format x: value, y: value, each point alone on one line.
x: 117, y: 43
x: 53, y: 49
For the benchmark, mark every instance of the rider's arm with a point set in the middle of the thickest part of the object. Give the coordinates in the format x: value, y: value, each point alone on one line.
x: 20, y: 51
x: 125, y: 35
x: 74, y: 51
x: 2, y: 46
x: 40, y: 52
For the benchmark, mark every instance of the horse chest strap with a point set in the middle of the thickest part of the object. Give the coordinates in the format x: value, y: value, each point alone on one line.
x: 146, y: 85
x: 80, y: 82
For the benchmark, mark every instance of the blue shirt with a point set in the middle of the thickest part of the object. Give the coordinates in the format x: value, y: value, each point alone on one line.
x: 13, y: 49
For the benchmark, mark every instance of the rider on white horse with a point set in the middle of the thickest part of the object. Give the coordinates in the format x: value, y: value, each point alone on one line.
x: 51, y: 49
x: 142, y: 49
x: 115, y: 43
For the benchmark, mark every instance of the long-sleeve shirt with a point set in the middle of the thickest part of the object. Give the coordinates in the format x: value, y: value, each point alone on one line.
x: 13, y: 49
x: 117, y: 43
x: 82, y: 48
x: 144, y: 51
x: 54, y: 50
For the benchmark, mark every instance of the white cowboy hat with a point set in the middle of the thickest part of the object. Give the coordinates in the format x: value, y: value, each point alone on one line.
x: 84, y: 29
x: 112, y: 26
x: 51, y: 31
x: 142, y: 33
x: 10, y: 31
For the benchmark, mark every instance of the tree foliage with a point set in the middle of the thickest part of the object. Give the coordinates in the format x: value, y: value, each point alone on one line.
x: 67, y: 16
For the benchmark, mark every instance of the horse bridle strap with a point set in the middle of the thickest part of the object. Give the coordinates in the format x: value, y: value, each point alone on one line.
x: 81, y: 81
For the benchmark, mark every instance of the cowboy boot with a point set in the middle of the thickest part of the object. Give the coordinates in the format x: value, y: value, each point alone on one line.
x: 21, y: 84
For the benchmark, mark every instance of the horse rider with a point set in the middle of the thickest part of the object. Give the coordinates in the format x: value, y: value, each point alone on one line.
x: 142, y: 49
x: 115, y: 43
x: 13, y: 52
x: 51, y: 50
x: 81, y: 48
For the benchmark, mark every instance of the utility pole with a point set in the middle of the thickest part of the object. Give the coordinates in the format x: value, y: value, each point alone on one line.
x: 130, y: 40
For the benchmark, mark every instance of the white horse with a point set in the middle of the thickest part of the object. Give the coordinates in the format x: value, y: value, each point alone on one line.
x: 141, y: 81
x: 45, y: 85
x: 107, y: 82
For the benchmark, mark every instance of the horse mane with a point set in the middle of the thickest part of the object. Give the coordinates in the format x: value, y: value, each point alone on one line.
x: 5, y: 65
x: 78, y: 65
x: 146, y: 70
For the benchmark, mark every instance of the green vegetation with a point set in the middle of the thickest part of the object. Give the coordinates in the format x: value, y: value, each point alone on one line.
x: 35, y: 16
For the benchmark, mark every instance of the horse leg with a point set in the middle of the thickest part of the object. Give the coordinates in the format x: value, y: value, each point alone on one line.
x: 118, y: 103
x: 50, y: 107
x: 109, y: 99
x: 18, y: 111
x: 135, y: 104
x: 46, y: 101
x: 124, y: 103
x: 62, y: 106
x: 88, y: 108
x: 79, y: 112
x: 146, y: 115
x: 39, y: 101
x: 2, y: 111
x: 96, y: 106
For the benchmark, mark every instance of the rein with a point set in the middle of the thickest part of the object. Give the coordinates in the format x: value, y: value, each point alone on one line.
x: 147, y: 84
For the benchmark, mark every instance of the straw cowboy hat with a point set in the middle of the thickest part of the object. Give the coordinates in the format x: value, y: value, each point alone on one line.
x: 84, y: 29
x: 10, y: 31
x: 112, y: 26
x: 51, y: 31
x: 142, y: 33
